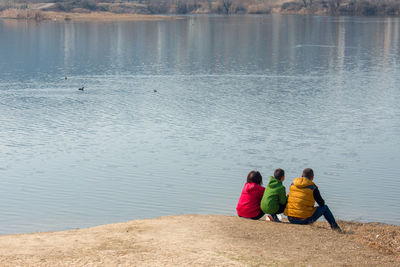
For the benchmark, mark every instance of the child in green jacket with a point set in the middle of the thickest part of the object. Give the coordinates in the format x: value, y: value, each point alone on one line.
x: 274, y: 199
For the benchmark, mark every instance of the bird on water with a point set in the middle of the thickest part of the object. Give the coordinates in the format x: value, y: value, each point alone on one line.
x: 81, y: 88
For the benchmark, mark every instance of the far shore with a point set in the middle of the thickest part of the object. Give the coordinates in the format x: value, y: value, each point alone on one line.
x: 103, y: 16
x: 206, y: 240
x: 74, y: 16
x: 126, y: 10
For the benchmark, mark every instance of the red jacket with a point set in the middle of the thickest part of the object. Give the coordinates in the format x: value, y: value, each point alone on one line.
x: 249, y: 201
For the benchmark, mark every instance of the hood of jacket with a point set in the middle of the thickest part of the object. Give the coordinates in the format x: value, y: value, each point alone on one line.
x: 302, y: 182
x: 274, y: 183
x: 249, y: 187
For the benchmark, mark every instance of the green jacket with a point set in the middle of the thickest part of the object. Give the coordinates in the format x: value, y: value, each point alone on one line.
x: 274, y: 195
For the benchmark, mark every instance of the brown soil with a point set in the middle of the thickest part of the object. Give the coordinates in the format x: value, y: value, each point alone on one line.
x: 206, y: 240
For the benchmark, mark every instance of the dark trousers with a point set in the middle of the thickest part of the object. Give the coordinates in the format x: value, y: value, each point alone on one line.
x: 259, y: 216
x: 321, y: 210
x: 281, y: 209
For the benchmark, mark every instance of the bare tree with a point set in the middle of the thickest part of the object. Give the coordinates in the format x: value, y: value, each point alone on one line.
x: 310, y: 2
x: 227, y: 5
x: 210, y: 4
x: 334, y: 6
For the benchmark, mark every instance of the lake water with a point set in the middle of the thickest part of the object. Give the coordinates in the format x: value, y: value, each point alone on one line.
x: 233, y: 94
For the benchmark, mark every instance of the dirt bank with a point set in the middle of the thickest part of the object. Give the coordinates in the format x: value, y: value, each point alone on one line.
x: 206, y: 240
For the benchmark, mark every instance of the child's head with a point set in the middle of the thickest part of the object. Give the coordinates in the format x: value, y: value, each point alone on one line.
x: 279, y: 174
x: 308, y: 173
x: 254, y: 177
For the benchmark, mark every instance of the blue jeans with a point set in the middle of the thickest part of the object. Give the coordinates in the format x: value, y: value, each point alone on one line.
x: 321, y: 210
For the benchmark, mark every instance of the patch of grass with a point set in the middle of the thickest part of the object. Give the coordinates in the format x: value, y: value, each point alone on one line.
x: 260, y: 8
x: 68, y: 6
x: 292, y: 6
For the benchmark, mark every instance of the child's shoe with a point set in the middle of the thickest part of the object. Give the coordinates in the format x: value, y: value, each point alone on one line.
x: 337, y: 229
x: 272, y: 218
x: 275, y: 217
x: 269, y: 218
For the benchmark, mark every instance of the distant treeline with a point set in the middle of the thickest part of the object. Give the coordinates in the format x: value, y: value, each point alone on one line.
x: 344, y: 7
x: 333, y: 7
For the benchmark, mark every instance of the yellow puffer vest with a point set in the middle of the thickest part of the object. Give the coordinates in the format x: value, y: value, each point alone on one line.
x: 301, y: 199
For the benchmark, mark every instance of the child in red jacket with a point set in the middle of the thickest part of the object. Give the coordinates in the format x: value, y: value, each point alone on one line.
x: 252, y: 193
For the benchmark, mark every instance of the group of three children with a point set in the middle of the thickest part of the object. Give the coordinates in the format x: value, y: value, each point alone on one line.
x: 256, y: 200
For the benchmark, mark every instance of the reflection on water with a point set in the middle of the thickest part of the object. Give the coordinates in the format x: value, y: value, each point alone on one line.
x: 233, y: 94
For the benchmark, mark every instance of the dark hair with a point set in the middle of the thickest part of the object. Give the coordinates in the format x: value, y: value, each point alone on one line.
x: 308, y: 173
x: 254, y: 177
x: 279, y: 173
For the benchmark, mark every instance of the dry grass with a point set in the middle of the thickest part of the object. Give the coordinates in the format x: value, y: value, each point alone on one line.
x: 383, y: 237
x: 258, y: 8
x: 23, y: 14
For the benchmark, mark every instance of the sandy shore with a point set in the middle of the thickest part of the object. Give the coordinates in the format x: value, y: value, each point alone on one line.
x: 66, y: 16
x: 206, y: 240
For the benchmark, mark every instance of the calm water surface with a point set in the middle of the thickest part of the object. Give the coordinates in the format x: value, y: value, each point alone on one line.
x: 233, y: 94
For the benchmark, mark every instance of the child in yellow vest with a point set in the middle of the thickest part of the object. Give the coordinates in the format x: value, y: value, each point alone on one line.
x: 303, y: 193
